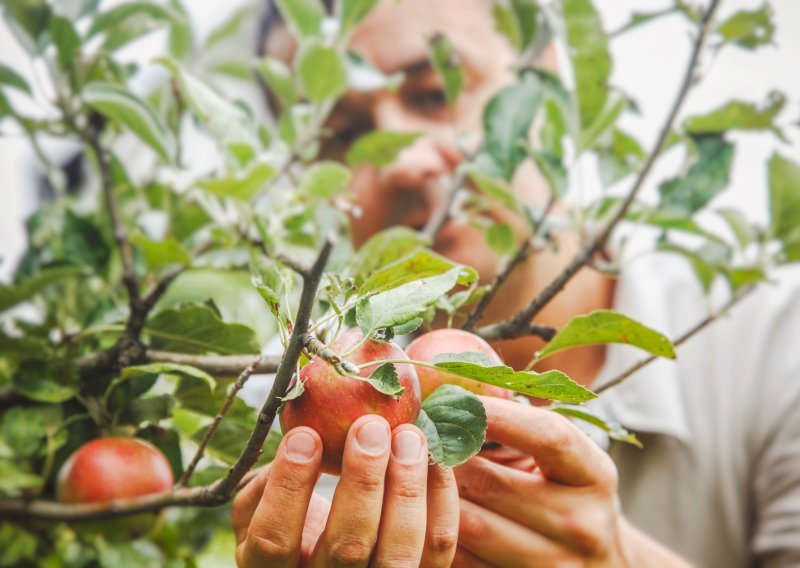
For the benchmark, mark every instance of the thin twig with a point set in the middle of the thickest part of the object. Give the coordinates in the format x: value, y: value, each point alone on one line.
x: 522, y: 254
x: 442, y: 213
x: 92, y: 138
x: 622, y: 377
x: 519, y: 322
x: 227, y: 485
x: 499, y: 331
x: 215, y: 364
x: 237, y: 386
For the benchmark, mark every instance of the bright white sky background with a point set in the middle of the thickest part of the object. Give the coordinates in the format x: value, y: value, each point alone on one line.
x: 648, y: 63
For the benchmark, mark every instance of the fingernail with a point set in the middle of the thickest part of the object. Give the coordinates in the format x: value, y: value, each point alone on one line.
x: 407, y: 446
x: 373, y: 437
x: 300, y: 447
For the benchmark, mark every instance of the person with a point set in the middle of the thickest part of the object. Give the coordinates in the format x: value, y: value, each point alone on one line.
x: 718, y: 480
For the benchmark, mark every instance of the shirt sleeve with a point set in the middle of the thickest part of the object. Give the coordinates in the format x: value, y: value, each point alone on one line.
x: 776, y: 487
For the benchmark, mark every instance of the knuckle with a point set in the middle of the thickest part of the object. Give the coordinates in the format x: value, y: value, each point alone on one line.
x: 442, y: 539
x: 399, y: 558
x: 288, y: 484
x: 272, y: 548
x: 349, y: 552
x: 408, y: 490
x: 472, y: 526
x: 483, y: 480
x: 587, y: 530
x: 367, y: 482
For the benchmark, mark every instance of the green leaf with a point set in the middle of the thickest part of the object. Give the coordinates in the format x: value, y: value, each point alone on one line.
x: 444, y: 61
x: 526, y: 12
x: 707, y: 176
x: 23, y: 431
x: 505, y: 22
x: 506, y: 121
x: 197, y: 329
x: 495, y: 188
x: 552, y: 385
x: 152, y: 410
x: 160, y: 254
x: 379, y: 147
x: 614, y: 430
x: 278, y: 78
x: 66, y: 40
x: 170, y: 369
x: 353, y: 11
x: 384, y: 379
x: 325, y: 180
x: 266, y: 278
x: 591, y: 60
x: 25, y: 290
x: 46, y: 382
x: 321, y: 71
x: 28, y: 20
x: 621, y: 157
x: 784, y: 204
x: 383, y: 248
x: 181, y: 38
x: 738, y: 224
x: 606, y: 326
x: 304, y: 16
x: 604, y: 121
x: 403, y: 303
x: 106, y: 21
x: 419, y: 264
x: 16, y: 544
x: 242, y: 185
x: 230, y: 27
x: 12, y: 479
x: 738, y: 115
x: 454, y: 423
x: 226, y: 121
x: 119, y: 104
x: 501, y: 239
x: 749, y: 28
x: 168, y: 442
x: 13, y: 79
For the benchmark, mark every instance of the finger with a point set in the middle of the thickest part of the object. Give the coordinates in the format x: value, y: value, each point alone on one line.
x: 544, y: 507
x: 403, y: 519
x: 502, y: 542
x: 441, y: 534
x: 276, y: 528
x: 355, y: 514
x: 244, y: 506
x: 465, y: 559
x: 561, y: 450
x: 317, y: 516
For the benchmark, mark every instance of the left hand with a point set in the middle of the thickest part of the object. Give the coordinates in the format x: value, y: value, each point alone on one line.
x: 554, y: 503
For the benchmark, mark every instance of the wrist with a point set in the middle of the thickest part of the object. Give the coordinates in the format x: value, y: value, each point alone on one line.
x: 640, y: 550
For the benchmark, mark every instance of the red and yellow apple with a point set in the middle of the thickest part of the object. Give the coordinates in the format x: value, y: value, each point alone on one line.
x: 331, y: 402
x: 112, y: 468
x: 427, y: 346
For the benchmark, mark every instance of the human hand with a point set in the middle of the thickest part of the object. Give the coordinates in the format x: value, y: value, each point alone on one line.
x: 551, y: 502
x: 390, y: 508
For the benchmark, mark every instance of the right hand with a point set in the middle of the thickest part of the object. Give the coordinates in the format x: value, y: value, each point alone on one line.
x: 390, y: 508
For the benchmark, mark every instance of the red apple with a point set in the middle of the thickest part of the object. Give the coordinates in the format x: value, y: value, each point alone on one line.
x: 427, y: 346
x: 331, y: 402
x: 112, y: 468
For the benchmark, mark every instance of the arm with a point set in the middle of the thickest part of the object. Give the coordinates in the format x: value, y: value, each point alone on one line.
x: 390, y: 508
x: 559, y: 504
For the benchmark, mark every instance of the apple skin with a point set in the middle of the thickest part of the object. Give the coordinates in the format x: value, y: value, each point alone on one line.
x: 113, y: 468
x: 427, y: 346
x: 331, y: 402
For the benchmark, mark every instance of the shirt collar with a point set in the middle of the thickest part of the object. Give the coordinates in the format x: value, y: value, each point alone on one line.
x: 652, y: 400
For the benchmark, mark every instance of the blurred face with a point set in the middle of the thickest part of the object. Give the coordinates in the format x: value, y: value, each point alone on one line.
x: 394, y: 38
